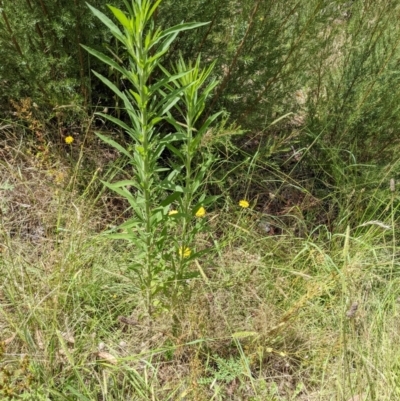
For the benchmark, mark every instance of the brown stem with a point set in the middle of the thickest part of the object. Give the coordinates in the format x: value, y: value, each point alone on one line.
x: 17, y: 46
x: 44, y: 9
x: 10, y: 31
x: 273, y: 79
x: 208, y: 32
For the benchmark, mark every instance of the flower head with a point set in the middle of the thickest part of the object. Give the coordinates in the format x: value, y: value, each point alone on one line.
x: 201, y: 212
x: 172, y: 212
x: 184, y: 252
x: 243, y: 203
x: 69, y: 139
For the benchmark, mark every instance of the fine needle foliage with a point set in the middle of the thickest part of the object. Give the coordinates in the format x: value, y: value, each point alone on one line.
x: 163, y: 247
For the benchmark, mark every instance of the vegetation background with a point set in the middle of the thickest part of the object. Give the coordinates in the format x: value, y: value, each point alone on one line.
x: 299, y: 296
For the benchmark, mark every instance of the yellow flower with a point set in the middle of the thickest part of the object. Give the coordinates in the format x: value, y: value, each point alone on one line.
x: 69, y: 139
x: 184, y: 252
x: 243, y: 203
x: 172, y: 212
x: 201, y: 212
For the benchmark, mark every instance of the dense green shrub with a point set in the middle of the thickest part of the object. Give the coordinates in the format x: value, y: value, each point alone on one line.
x: 40, y: 52
x: 331, y: 67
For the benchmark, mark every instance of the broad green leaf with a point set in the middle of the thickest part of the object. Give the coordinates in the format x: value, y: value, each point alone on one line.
x: 172, y: 187
x: 206, y: 201
x: 170, y: 199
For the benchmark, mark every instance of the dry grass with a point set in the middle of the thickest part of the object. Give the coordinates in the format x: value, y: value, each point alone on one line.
x: 273, y: 321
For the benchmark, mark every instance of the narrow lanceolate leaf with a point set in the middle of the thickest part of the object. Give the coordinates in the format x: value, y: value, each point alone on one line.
x: 121, y: 17
x: 108, y: 23
x: 170, y: 199
x: 109, y: 84
x: 169, y: 78
x: 124, y: 183
x: 133, y: 202
x: 169, y: 101
x: 151, y: 11
x: 203, y: 130
x: 114, y: 144
x: 181, y: 28
x: 116, y: 121
x: 107, y: 60
x: 244, y: 334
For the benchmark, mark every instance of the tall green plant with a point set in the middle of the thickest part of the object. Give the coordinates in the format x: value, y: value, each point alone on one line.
x: 163, y: 247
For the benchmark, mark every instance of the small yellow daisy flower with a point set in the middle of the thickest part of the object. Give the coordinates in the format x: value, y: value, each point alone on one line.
x: 243, y: 203
x: 184, y: 252
x: 172, y: 212
x: 69, y: 139
x: 201, y: 212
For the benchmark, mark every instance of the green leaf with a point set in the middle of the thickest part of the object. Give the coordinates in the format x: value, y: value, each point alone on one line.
x: 124, y: 183
x: 116, y: 121
x: 170, y: 78
x: 244, y: 334
x: 114, y: 144
x: 109, y: 84
x: 171, y: 186
x: 196, y: 140
x: 181, y: 28
x: 76, y: 393
x: 134, y: 203
x: 107, y: 60
x: 178, y: 136
x: 176, y: 152
x: 137, y: 97
x: 108, y: 23
x: 169, y: 101
x: 155, y: 5
x: 121, y: 17
x: 170, y: 199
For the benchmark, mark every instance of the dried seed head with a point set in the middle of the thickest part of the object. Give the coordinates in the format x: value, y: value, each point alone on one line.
x: 392, y: 184
x: 353, y: 310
